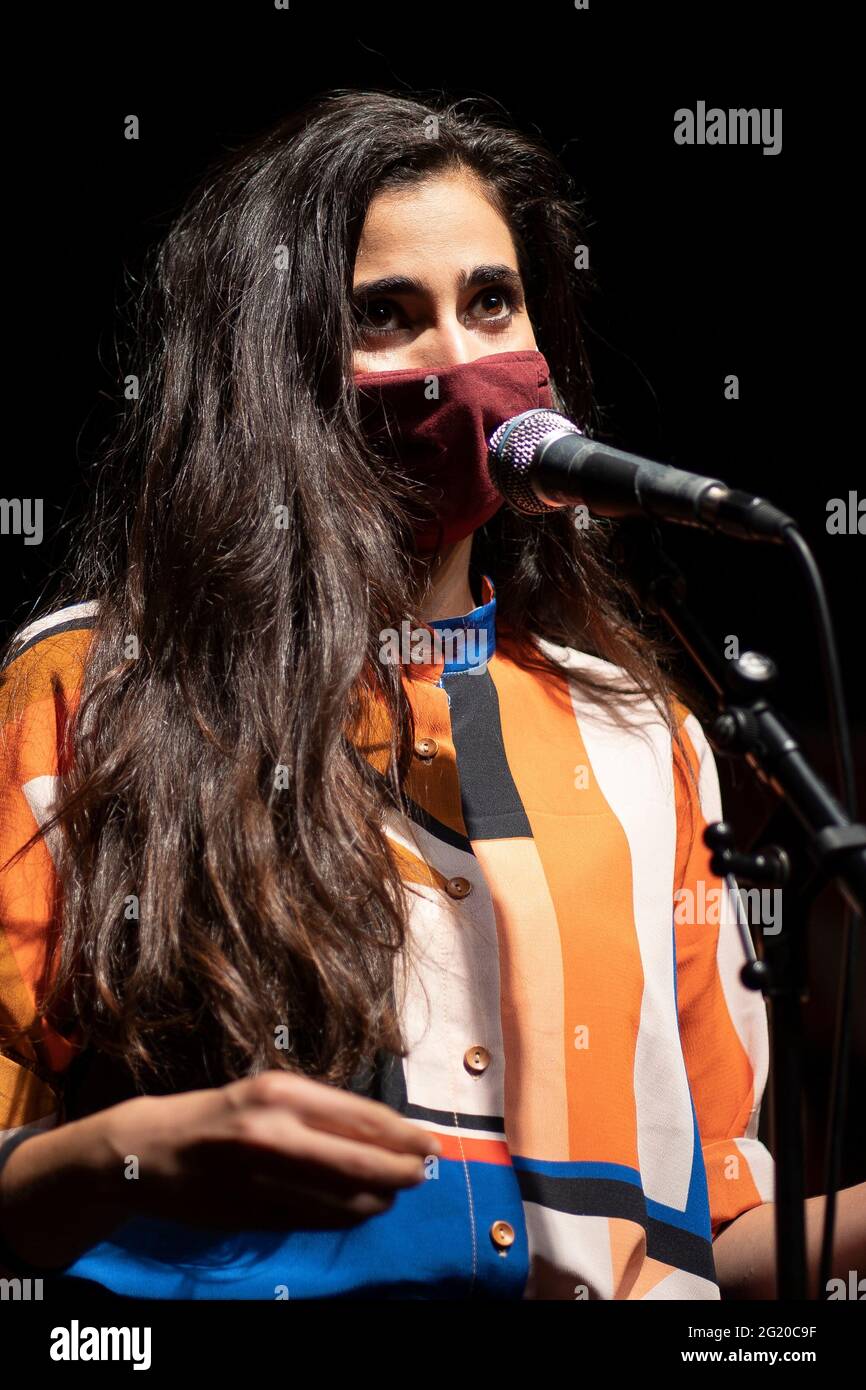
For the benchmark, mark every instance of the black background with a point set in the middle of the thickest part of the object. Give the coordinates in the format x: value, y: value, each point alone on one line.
x: 711, y: 260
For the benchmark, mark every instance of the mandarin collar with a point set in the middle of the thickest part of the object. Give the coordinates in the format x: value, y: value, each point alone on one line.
x: 480, y: 642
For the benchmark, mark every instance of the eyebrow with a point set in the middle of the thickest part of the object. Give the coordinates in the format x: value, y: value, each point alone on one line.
x: 467, y: 279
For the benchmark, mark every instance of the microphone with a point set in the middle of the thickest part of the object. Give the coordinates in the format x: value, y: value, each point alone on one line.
x: 540, y: 461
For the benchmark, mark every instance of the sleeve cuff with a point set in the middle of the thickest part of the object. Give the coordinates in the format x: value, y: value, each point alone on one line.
x: 740, y: 1175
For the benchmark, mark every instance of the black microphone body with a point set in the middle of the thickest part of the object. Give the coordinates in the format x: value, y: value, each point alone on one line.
x: 539, y: 460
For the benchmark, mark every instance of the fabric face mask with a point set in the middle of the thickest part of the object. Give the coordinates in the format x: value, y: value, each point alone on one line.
x: 442, y: 442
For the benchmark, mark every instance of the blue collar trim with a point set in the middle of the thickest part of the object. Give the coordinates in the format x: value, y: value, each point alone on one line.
x: 474, y: 634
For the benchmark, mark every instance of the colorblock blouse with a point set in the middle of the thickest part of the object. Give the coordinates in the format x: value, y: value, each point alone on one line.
x: 585, y: 1052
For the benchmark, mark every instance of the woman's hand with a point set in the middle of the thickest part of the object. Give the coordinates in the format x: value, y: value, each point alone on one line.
x: 277, y: 1151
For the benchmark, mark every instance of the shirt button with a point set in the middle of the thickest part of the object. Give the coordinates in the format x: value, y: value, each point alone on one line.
x: 426, y: 748
x: 477, y: 1059
x: 458, y: 887
x: 502, y: 1234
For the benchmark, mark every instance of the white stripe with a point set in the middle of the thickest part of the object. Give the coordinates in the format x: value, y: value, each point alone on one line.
x: 450, y: 999
x: 570, y: 1255
x: 682, y: 1286
x: 761, y: 1166
x: 40, y: 793
x: 61, y: 616
x: 746, y: 1007
x: 633, y: 768
x: 495, y: 1136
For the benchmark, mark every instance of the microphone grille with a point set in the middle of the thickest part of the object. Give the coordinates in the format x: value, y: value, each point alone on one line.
x: 511, y: 452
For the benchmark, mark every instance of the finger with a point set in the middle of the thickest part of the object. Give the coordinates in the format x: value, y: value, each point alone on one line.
x: 339, y: 1112
x: 276, y: 1143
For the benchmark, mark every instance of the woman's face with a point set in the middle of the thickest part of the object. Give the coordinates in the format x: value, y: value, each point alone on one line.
x: 436, y: 280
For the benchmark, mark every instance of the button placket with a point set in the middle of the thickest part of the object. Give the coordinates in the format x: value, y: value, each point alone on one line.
x: 476, y: 1059
x: 470, y: 1196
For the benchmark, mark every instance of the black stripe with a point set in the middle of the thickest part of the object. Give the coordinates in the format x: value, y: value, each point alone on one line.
x: 419, y: 816
x: 494, y: 1124
x: 437, y: 828
x: 583, y: 1196
x: 71, y: 625
x: 385, y: 1080
x: 671, y: 1245
x: 601, y: 1197
x: 492, y: 808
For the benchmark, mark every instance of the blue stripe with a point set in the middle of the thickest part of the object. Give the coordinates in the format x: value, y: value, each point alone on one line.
x: 615, y: 1172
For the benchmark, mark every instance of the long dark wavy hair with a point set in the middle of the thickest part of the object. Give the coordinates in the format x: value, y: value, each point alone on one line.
x: 256, y: 644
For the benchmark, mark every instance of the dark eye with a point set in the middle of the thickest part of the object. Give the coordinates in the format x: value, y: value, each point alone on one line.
x: 376, y: 316
x: 499, y: 301
x: 493, y: 309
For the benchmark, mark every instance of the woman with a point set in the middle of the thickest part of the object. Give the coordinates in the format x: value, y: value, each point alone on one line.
x: 369, y: 981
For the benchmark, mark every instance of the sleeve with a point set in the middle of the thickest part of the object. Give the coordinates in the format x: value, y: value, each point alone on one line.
x: 723, y: 1025
x: 34, y: 708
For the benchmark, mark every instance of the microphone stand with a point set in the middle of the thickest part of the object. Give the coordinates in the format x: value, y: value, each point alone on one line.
x: 818, y: 842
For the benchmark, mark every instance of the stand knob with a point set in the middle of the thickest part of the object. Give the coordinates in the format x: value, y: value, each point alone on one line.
x: 756, y: 974
x: 768, y: 865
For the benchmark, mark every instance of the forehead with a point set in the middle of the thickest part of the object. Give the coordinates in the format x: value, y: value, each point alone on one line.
x: 431, y: 226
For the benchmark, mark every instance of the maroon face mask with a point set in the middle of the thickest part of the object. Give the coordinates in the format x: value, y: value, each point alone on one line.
x: 442, y: 442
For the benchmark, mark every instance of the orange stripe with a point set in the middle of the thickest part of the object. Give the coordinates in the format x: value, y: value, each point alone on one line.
x: 585, y: 855
x: 23, y: 1096
x: 473, y: 1150
x: 531, y: 998
x: 39, y: 694
x: 432, y: 784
